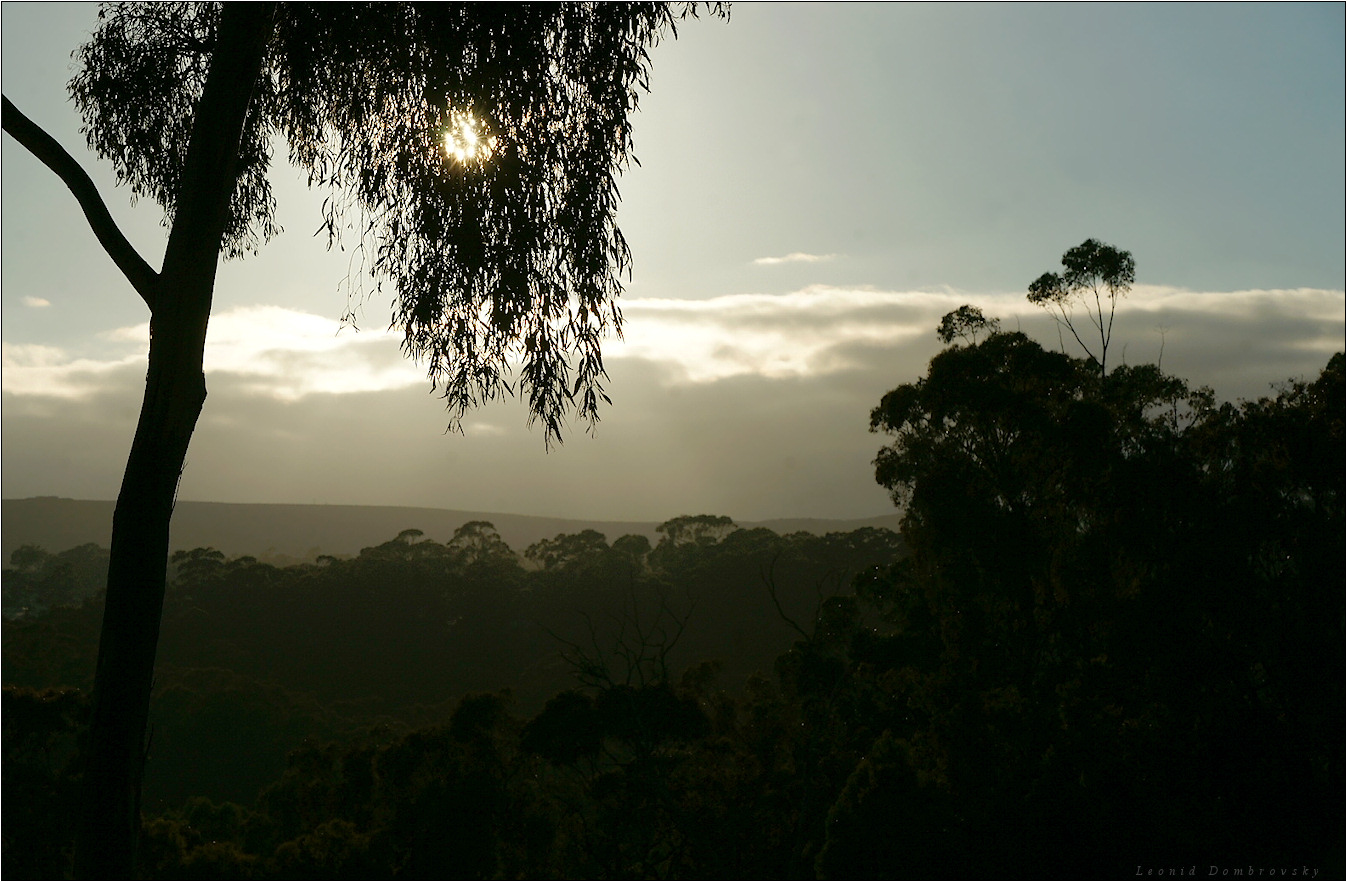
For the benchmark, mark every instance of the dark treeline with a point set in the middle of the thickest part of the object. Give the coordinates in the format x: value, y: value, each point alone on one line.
x: 36, y: 581
x: 1111, y: 636
x: 256, y: 659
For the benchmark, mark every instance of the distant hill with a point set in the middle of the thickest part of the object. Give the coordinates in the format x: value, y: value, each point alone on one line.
x: 302, y: 532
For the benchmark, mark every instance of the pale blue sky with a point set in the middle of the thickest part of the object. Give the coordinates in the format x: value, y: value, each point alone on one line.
x: 928, y: 156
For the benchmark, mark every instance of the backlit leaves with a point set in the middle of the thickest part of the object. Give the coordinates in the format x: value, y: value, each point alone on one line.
x: 137, y: 86
x: 512, y: 262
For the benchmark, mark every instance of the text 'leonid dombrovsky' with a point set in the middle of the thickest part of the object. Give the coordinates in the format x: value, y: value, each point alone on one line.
x: 1242, y: 872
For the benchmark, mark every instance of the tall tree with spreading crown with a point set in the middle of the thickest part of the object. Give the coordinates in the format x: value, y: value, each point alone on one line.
x: 474, y: 151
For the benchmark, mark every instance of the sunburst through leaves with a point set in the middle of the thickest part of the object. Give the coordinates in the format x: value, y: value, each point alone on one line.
x: 467, y: 140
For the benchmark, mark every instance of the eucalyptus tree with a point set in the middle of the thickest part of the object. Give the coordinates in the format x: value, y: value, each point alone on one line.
x: 966, y: 323
x: 1095, y: 275
x: 473, y: 150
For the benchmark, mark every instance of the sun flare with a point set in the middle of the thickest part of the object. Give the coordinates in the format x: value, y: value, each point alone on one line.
x: 466, y: 140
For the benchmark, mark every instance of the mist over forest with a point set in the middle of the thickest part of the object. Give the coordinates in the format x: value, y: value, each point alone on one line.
x: 300, y: 533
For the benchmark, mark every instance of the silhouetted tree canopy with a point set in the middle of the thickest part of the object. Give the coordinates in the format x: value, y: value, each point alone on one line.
x: 515, y: 254
x: 1094, y: 274
x: 967, y: 323
x: 1118, y: 594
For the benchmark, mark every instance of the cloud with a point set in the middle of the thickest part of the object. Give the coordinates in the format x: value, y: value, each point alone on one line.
x: 32, y: 369
x: 36, y: 302
x: 794, y: 257
x: 1310, y: 303
x: 775, y: 336
x: 288, y: 354
x: 267, y: 350
x: 750, y: 405
x: 1236, y: 341
x: 824, y: 330
x: 477, y: 427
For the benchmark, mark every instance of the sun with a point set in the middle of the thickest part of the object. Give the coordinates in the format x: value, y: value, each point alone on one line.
x: 467, y: 140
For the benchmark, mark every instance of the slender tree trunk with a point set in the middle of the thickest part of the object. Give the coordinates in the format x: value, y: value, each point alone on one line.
x: 175, y: 390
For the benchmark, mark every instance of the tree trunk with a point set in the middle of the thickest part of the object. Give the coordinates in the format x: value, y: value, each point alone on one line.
x: 175, y: 390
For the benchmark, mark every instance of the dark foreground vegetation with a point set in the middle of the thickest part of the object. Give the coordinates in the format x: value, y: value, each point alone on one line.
x: 1111, y: 636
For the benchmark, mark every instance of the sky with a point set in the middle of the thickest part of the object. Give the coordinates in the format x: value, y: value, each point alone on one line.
x: 818, y: 184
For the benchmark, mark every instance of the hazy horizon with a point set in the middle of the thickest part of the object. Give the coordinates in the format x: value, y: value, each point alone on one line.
x: 818, y: 185
x: 893, y: 512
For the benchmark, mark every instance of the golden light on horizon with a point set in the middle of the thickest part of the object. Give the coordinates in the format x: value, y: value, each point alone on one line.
x: 467, y: 140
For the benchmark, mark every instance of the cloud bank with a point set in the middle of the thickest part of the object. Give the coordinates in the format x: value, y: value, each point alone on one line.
x: 753, y: 405
x: 266, y: 350
x: 818, y: 331
x: 821, y: 330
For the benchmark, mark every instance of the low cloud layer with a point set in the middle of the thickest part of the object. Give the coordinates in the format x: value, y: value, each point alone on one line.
x: 815, y: 332
x: 34, y: 370
x: 755, y: 406
x: 821, y: 331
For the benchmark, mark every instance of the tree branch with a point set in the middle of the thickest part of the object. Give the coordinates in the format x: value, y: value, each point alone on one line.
x: 768, y: 577
x: 1066, y: 320
x: 54, y: 156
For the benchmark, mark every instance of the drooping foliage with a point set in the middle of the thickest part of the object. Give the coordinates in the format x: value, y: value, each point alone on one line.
x: 137, y: 86
x: 509, y: 253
